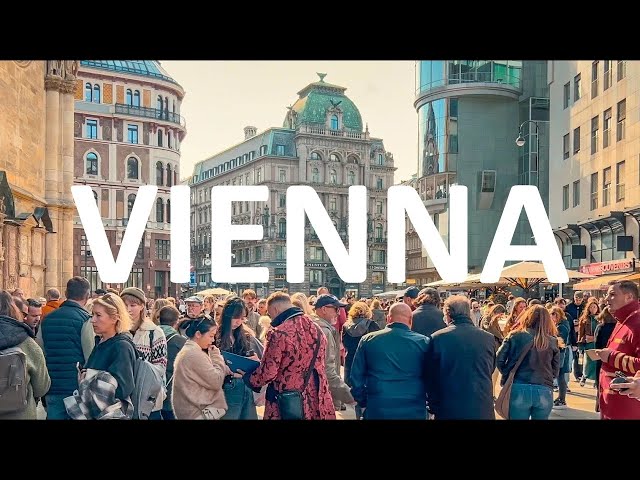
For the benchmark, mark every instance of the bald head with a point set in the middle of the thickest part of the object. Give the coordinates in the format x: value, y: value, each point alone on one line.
x: 401, y: 313
x: 53, y: 294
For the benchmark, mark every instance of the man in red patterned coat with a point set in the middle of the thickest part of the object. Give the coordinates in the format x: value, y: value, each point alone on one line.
x: 289, y: 352
x: 622, y: 352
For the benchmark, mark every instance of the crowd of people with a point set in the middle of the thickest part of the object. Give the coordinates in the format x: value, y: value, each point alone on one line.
x: 117, y: 354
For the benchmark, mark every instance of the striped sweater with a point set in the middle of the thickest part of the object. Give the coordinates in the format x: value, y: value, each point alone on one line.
x: 155, y: 353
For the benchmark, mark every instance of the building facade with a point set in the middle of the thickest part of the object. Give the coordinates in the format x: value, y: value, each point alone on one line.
x: 128, y: 130
x: 36, y: 174
x: 594, y: 171
x: 321, y: 143
x: 470, y: 113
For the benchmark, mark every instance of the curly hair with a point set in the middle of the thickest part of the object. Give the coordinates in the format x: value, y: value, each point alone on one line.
x: 360, y: 310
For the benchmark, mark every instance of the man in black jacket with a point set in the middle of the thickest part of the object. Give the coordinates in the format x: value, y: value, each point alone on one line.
x: 574, y: 309
x: 460, y: 361
x: 427, y: 318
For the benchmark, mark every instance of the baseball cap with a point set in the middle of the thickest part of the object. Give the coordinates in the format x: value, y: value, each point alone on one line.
x: 411, y: 292
x: 328, y: 299
x: 194, y: 299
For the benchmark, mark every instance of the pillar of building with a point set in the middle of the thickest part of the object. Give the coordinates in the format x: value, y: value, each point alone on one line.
x: 67, y: 164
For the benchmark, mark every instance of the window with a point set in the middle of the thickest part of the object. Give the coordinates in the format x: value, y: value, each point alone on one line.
x: 379, y: 256
x: 334, y: 122
x: 576, y: 193
x: 620, y: 181
x: 594, y: 191
x: 333, y: 204
x: 606, y: 186
x: 606, y: 129
x: 488, y: 181
x: 132, y: 133
x: 608, y: 74
x: 280, y: 252
x: 594, y: 79
x: 351, y: 177
x: 135, y: 279
x: 159, y: 210
x: 282, y: 228
x: 88, y: 92
x: 622, y: 69
x: 159, y: 174
x: 380, y: 159
x: 131, y: 199
x: 315, y: 277
x: 565, y: 146
x: 315, y: 176
x: 379, y: 184
x: 594, y: 135
x: 140, y: 252
x: 453, y: 143
x: 160, y: 135
x: 577, y: 88
x: 621, y: 116
x: 258, y: 175
x: 159, y: 105
x: 379, y: 232
x: 263, y: 150
x: 283, y: 175
x: 333, y: 177
x: 453, y: 107
x: 132, y: 168
x: 91, y: 274
x: 315, y: 156
x: 280, y: 150
x: 168, y: 210
x: 567, y: 95
x: 576, y: 140
x: 258, y: 254
x: 92, y: 164
x: 379, y: 208
x: 129, y: 97
x: 169, y: 140
x: 283, y: 200
x: 91, y: 129
x: 169, y: 175
x: 565, y: 197
x: 136, y: 98
x: 96, y: 93
x: 334, y: 158
x: 377, y: 278
x: 163, y: 249
x: 316, y: 253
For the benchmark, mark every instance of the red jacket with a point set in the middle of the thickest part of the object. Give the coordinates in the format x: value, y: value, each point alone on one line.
x: 624, y: 344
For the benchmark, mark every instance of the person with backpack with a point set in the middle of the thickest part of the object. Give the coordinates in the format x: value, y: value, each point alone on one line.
x: 168, y: 317
x: 148, y: 338
x: 23, y: 370
x: 114, y: 351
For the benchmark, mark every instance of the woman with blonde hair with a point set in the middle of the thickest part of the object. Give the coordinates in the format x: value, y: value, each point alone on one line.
x: 157, y: 306
x: 358, y: 324
x: 564, y: 330
x: 519, y: 305
x: 587, y: 337
x: 148, y: 338
x: 115, y: 353
x: 533, y: 339
x: 378, y: 315
x: 300, y: 301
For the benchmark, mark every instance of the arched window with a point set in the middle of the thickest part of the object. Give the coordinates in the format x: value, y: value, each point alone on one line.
x: 132, y: 168
x: 379, y: 231
x: 88, y: 92
x: 96, y: 93
x: 334, y: 122
x: 159, y: 174
x: 169, y: 139
x: 92, y: 164
x: 315, y: 175
x: 130, y: 201
x: 334, y: 158
x: 136, y: 98
x: 173, y: 106
x: 168, y: 211
x: 159, y: 106
x: 159, y: 211
x: 351, y: 176
x: 263, y: 149
x: 315, y: 156
x: 129, y: 97
x: 333, y: 177
x: 353, y: 160
x: 379, y: 184
x: 282, y: 228
x: 160, y: 136
x: 166, y: 107
x: 169, y: 175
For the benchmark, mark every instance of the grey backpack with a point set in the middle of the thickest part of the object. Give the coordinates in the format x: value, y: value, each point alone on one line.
x: 13, y: 380
x: 148, y: 385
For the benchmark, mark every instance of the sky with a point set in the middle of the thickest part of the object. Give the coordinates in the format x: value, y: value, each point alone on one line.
x: 223, y: 97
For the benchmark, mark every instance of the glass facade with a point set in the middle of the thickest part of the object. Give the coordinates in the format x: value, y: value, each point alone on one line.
x: 438, y: 73
x: 438, y: 136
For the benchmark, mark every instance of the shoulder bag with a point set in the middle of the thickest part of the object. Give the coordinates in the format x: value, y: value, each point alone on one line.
x: 290, y: 402
x: 504, y: 397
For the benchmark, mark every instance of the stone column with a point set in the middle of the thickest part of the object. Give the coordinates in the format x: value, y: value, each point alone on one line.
x: 2, y: 272
x: 67, y: 161
x: 24, y: 259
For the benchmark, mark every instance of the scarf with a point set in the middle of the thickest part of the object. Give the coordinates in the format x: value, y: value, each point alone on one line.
x: 286, y: 315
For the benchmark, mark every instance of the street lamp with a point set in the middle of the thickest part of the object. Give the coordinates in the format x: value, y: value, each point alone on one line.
x: 520, y: 142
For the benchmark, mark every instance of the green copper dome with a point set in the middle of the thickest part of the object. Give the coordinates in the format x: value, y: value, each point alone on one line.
x: 316, y: 99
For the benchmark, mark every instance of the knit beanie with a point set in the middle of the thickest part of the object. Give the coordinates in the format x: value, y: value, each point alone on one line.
x: 134, y: 292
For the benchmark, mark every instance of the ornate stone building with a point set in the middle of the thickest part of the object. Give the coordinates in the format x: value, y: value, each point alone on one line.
x: 36, y: 174
x: 322, y: 143
x: 128, y: 130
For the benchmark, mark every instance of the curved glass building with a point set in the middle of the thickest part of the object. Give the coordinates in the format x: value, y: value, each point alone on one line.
x: 470, y: 112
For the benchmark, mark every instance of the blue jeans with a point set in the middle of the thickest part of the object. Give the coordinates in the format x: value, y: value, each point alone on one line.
x: 240, y: 401
x: 530, y: 401
x: 55, y: 407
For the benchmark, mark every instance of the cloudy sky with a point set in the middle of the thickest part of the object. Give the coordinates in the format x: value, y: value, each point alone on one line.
x: 222, y: 97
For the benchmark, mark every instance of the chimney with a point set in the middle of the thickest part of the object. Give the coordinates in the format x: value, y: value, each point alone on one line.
x: 249, y: 132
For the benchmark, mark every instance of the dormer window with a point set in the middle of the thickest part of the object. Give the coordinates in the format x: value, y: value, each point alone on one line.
x: 334, y: 122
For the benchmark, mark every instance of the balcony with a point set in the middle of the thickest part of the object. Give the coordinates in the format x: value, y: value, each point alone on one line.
x: 150, y: 113
x: 436, y: 191
x: 332, y: 133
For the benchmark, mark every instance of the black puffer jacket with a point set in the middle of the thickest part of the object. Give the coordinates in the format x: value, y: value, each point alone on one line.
x: 352, y: 332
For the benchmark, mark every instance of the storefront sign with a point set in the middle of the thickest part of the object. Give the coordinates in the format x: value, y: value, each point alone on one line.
x: 605, y: 268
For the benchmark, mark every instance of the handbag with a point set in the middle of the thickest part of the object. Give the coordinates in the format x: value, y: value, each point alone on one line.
x: 213, y: 413
x: 504, y: 397
x: 290, y: 401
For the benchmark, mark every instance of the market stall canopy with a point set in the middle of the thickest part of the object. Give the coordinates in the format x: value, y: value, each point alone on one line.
x: 527, y: 275
x: 213, y: 291
x: 602, y: 282
x: 390, y: 294
x: 472, y: 281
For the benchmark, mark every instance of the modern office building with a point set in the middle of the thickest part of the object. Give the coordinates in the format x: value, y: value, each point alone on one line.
x: 323, y: 143
x: 594, y: 189
x: 470, y: 113
x: 128, y: 130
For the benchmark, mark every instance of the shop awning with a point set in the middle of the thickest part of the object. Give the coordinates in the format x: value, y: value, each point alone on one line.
x: 602, y: 282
